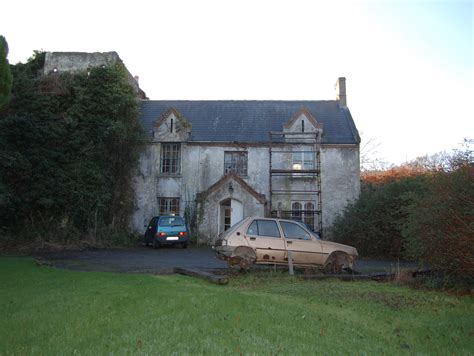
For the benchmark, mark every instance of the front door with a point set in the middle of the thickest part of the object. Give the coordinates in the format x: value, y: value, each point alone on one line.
x: 231, y: 212
x: 236, y: 211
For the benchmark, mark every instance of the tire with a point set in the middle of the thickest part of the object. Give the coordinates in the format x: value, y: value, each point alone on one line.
x: 246, y: 257
x: 184, y: 245
x: 336, y: 263
x: 156, y: 245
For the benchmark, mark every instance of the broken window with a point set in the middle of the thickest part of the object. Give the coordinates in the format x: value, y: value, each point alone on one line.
x: 170, y: 158
x: 235, y: 161
x: 168, y: 206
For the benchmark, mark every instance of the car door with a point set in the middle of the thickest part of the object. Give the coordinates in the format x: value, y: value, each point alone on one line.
x: 306, y: 250
x: 150, y: 230
x: 264, y: 236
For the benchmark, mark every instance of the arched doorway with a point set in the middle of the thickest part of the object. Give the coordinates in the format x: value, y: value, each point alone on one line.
x: 230, y: 212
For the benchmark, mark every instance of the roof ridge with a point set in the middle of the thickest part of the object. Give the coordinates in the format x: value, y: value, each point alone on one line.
x: 235, y: 101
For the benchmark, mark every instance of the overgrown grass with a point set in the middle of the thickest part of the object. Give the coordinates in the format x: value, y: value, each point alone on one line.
x: 51, y: 311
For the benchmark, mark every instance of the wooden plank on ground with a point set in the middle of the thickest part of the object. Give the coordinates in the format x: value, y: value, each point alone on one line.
x: 351, y: 277
x: 202, y: 274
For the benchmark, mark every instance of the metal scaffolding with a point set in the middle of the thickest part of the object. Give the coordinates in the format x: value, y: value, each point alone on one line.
x: 298, y: 181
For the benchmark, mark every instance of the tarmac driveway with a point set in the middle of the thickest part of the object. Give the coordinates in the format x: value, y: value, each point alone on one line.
x: 162, y: 261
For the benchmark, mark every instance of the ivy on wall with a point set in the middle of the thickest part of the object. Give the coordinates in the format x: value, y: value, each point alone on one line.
x: 69, y: 145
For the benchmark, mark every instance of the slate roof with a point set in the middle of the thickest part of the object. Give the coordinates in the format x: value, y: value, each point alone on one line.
x: 250, y: 121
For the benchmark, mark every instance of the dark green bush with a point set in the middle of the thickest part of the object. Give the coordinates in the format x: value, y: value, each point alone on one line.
x: 427, y: 217
x: 374, y: 223
x: 439, y: 228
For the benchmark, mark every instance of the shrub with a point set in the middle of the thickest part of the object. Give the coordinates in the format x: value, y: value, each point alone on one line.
x: 440, y: 225
x: 373, y: 224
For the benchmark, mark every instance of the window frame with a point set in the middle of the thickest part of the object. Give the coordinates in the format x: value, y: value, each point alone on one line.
x: 301, y: 213
x: 257, y: 235
x: 172, y: 149
x: 240, y: 172
x: 282, y: 225
x: 306, y: 161
x: 168, y: 205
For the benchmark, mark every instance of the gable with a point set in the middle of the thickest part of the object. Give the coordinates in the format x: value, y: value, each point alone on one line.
x: 302, y: 121
x: 171, y: 126
x: 230, y: 178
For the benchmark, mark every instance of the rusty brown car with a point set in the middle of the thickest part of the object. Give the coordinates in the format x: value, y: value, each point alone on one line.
x: 269, y: 241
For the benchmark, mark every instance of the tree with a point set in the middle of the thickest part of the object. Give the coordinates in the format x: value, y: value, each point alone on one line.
x: 370, y: 159
x: 6, y: 79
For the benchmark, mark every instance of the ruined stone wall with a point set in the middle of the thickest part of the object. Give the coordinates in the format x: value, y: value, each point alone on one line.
x: 60, y: 62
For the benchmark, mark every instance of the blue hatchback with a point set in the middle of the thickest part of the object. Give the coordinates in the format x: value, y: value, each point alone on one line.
x: 166, y: 230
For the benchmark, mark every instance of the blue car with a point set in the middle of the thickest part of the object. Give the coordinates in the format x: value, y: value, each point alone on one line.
x: 166, y: 230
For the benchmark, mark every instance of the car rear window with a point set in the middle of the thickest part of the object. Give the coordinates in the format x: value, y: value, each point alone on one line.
x: 264, y: 228
x: 171, y: 221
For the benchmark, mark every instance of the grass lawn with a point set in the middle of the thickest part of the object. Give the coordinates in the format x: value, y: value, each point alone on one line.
x: 50, y: 311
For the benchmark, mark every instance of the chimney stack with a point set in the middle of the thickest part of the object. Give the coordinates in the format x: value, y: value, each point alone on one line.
x: 341, y: 91
x: 137, y: 78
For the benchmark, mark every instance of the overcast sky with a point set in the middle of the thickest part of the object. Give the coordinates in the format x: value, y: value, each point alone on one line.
x: 409, y: 64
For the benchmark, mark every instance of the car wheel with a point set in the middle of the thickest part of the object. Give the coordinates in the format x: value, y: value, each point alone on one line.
x: 156, y: 245
x: 246, y: 257
x: 336, y: 263
x: 184, y: 245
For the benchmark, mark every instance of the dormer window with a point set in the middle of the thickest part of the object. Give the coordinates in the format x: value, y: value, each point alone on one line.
x: 302, y: 125
x: 171, y: 125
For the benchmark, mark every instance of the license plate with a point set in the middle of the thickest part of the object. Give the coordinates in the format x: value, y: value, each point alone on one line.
x: 171, y: 238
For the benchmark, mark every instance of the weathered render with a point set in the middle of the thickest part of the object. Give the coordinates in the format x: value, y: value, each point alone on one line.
x: 213, y: 161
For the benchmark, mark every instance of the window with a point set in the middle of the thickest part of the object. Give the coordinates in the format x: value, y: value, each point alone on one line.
x: 294, y: 231
x: 303, y: 159
x: 296, y: 211
x: 265, y: 228
x: 170, y: 158
x: 309, y: 215
x: 304, y: 212
x: 168, y: 206
x: 235, y: 161
x: 227, y: 218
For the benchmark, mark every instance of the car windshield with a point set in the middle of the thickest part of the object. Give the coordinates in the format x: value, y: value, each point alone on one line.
x: 171, y: 221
